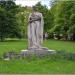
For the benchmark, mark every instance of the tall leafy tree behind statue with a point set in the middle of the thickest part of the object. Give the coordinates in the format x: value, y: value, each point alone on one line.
x: 8, y: 23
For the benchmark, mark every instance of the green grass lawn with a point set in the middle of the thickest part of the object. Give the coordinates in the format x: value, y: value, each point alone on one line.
x: 68, y: 46
x: 41, y: 66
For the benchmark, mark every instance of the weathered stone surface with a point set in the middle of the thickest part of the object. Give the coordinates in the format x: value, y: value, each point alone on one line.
x: 35, y: 29
x: 43, y: 48
x: 37, y: 52
x: 11, y: 55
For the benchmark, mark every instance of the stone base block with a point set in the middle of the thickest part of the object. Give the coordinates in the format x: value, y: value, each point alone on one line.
x: 37, y: 52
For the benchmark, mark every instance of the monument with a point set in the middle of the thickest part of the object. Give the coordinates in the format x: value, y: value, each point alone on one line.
x: 35, y: 30
x: 35, y: 34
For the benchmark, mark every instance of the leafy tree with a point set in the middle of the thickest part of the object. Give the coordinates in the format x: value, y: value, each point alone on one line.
x: 22, y: 19
x: 8, y: 24
x: 63, y: 21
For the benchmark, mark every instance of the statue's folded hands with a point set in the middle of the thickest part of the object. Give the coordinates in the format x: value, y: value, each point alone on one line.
x: 32, y: 20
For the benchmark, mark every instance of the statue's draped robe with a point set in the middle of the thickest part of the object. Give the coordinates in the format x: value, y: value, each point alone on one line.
x: 35, y: 30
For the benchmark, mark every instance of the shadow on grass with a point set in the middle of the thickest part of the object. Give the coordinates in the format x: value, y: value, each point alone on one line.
x: 15, y: 40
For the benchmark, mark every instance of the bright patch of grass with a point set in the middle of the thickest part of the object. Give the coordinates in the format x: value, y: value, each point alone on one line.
x: 68, y: 46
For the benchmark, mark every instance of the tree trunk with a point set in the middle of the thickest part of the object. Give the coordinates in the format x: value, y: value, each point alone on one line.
x: 2, y: 38
x: 74, y: 36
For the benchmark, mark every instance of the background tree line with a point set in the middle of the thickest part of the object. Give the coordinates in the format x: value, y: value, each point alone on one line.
x: 64, y: 18
x: 58, y: 20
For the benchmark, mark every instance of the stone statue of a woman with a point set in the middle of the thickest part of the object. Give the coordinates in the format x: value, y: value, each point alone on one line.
x: 35, y: 29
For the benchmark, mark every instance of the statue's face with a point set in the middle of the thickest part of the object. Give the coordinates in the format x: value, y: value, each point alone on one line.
x: 34, y: 9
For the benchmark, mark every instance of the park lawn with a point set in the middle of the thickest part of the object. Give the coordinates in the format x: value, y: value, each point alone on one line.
x: 41, y: 66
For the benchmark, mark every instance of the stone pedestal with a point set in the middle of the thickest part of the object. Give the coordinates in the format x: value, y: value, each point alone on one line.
x: 38, y: 52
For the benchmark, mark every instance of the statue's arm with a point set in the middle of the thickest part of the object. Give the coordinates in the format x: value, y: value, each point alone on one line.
x: 29, y: 19
x: 34, y: 19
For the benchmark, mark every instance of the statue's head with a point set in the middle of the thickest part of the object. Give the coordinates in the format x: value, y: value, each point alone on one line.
x: 35, y: 8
